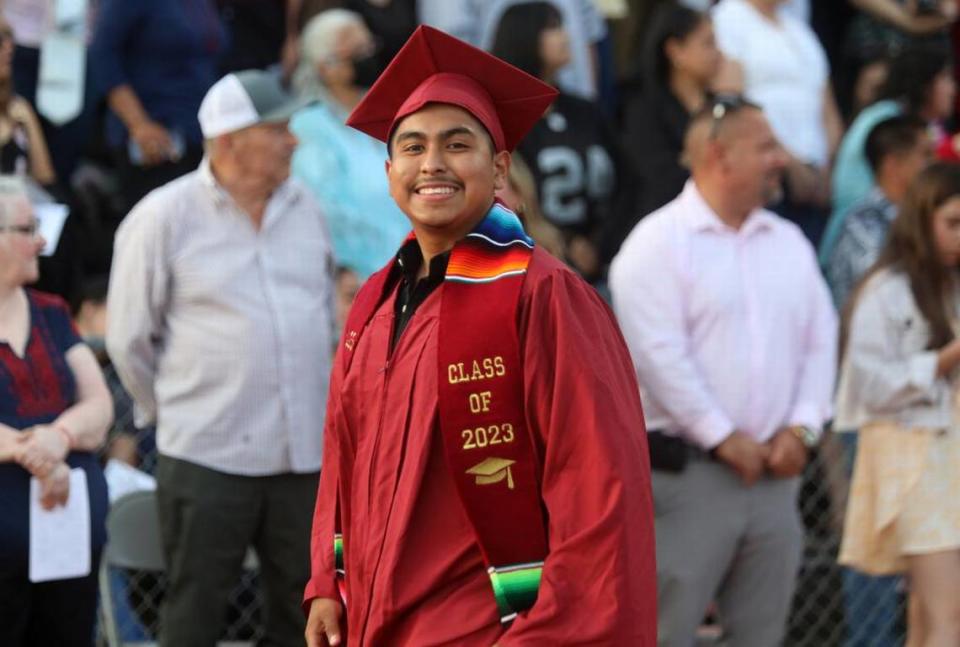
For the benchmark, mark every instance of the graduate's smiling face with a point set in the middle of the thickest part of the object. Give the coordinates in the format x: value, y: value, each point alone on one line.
x: 443, y: 171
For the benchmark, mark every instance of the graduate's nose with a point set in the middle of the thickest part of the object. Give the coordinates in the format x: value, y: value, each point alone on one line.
x: 433, y: 161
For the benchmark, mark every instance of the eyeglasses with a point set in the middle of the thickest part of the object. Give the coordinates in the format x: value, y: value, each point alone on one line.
x: 724, y: 105
x: 24, y: 230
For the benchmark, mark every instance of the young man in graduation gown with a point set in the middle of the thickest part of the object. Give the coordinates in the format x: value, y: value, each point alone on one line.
x: 485, y: 476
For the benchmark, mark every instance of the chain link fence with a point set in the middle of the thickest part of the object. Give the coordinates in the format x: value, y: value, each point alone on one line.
x: 822, y: 615
x: 137, y: 599
x: 835, y: 605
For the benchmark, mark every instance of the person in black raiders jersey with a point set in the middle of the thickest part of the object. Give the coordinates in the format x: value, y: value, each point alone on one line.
x: 571, y: 150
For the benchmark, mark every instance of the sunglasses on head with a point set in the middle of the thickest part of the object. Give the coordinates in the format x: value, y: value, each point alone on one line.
x: 723, y: 105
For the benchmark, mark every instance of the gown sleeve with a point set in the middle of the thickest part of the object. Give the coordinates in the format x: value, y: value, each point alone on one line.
x: 323, y: 578
x: 599, y: 580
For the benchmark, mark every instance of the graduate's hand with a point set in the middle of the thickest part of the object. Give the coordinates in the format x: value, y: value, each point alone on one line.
x: 323, y: 623
x: 747, y: 457
x: 788, y: 455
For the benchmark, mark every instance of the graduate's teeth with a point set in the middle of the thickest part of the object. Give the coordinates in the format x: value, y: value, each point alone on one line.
x: 435, y: 190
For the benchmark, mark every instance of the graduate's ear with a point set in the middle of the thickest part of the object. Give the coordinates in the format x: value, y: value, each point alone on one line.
x: 501, y: 169
x: 393, y: 186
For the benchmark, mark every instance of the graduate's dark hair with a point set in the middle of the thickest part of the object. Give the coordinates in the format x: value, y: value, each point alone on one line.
x: 517, y: 39
x: 669, y: 21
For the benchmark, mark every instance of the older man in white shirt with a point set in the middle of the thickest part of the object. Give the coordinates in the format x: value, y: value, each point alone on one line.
x: 733, y: 336
x: 220, y: 321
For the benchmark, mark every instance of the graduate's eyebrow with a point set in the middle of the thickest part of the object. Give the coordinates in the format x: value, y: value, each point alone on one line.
x: 458, y: 130
x: 416, y: 135
x: 408, y: 135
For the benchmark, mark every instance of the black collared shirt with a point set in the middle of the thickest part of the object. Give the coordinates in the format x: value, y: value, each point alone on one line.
x: 412, y: 292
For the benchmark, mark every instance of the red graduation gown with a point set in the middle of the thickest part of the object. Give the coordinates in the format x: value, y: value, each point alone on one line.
x: 415, y: 575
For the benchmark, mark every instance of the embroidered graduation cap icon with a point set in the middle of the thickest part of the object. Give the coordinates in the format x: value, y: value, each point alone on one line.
x: 493, y: 470
x: 434, y: 67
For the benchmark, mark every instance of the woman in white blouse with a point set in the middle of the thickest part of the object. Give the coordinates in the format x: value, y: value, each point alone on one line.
x: 784, y: 70
x: 899, y: 385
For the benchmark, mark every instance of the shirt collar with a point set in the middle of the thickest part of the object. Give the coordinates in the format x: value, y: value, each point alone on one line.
x: 207, y: 177
x: 223, y: 198
x: 409, y: 259
x: 700, y: 216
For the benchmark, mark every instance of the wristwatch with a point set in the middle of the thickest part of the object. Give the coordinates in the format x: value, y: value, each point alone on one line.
x: 806, y: 435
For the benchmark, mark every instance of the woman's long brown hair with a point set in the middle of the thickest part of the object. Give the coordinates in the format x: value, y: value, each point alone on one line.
x: 910, y: 249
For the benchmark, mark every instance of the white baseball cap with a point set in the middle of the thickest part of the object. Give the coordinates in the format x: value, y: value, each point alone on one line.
x: 243, y: 99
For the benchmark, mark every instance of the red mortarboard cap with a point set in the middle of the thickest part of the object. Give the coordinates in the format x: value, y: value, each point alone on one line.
x: 434, y: 67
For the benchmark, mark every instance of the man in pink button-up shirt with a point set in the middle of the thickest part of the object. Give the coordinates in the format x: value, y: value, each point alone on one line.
x: 733, y: 336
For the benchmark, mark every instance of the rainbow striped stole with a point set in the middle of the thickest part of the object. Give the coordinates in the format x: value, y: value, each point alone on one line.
x: 497, y: 248
x: 488, y: 446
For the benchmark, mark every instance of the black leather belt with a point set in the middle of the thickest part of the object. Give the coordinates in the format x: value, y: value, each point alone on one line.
x: 670, y: 453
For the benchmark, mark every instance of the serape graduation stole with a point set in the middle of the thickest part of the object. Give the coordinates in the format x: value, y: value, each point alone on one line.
x: 489, y: 449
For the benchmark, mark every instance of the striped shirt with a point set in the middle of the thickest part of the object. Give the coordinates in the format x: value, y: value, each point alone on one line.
x: 859, y: 244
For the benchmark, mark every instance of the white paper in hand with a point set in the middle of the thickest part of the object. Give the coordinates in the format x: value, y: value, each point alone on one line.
x: 51, y: 216
x: 60, y: 538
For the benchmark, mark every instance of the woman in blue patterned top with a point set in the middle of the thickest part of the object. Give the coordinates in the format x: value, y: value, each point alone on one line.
x: 54, y: 412
x: 339, y: 63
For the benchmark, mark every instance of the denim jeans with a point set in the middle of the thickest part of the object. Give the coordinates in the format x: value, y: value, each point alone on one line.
x: 872, y: 604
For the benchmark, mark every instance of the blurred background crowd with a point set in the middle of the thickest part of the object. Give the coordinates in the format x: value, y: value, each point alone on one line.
x: 99, y: 103
x: 118, y: 117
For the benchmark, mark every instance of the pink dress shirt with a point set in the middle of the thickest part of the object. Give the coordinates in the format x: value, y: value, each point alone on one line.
x: 728, y: 329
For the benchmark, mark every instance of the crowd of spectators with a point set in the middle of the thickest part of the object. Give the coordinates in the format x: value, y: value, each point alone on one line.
x: 99, y: 103
x: 824, y: 75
